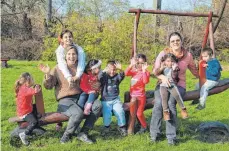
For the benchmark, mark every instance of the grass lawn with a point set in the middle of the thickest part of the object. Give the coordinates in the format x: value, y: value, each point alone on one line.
x: 217, y: 109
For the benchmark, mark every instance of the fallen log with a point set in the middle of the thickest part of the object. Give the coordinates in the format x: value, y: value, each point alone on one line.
x: 55, y: 117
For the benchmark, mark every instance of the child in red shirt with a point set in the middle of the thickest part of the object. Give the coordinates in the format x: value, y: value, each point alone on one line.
x: 24, y: 95
x: 140, y: 77
x: 87, y: 82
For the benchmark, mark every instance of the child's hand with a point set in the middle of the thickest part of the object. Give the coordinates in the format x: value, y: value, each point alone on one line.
x: 75, y: 78
x: 145, y: 66
x: 133, y: 62
x: 205, y: 65
x: 162, y: 67
x: 37, y: 88
x: 106, y: 70
x: 118, y: 65
x: 45, y: 69
x: 70, y: 82
x: 91, y: 92
x: 174, y: 66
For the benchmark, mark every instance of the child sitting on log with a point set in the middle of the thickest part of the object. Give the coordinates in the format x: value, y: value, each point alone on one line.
x: 110, y: 81
x: 140, y: 77
x: 89, y: 77
x: 24, y: 100
x: 213, y: 73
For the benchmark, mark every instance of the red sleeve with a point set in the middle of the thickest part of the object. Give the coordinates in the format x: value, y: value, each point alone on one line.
x: 146, y: 76
x: 29, y: 92
x: 129, y: 72
x: 84, y: 83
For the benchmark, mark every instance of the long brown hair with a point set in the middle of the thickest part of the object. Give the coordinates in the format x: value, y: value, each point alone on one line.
x: 24, y: 77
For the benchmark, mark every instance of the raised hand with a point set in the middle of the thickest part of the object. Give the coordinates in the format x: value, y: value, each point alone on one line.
x: 133, y: 62
x: 118, y: 65
x: 37, y: 88
x: 162, y: 67
x: 145, y: 66
x: 44, y: 68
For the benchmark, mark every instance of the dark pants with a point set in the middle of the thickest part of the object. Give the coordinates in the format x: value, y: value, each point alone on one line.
x: 68, y: 107
x: 166, y: 92
x: 157, y: 114
x: 31, y: 119
x: 86, y: 98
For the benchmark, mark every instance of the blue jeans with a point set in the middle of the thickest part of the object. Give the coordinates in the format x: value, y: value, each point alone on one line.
x: 157, y: 114
x: 86, y: 98
x: 204, y: 91
x: 115, y: 106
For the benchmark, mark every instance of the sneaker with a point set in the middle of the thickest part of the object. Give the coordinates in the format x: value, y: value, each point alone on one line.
x: 166, y: 115
x: 172, y: 142
x: 105, y: 131
x: 142, y: 130
x: 84, y: 138
x: 200, y: 107
x: 184, y: 113
x: 122, y: 131
x: 23, y: 138
x: 194, y: 102
x: 65, y: 138
x: 153, y: 139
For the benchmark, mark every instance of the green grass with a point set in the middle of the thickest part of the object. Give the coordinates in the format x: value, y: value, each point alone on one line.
x: 217, y: 109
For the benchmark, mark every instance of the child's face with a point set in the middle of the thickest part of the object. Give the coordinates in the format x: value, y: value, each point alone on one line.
x: 205, y: 56
x: 71, y: 57
x: 30, y: 82
x: 96, y: 70
x: 169, y: 62
x: 139, y: 64
x: 111, y: 70
x: 67, y: 39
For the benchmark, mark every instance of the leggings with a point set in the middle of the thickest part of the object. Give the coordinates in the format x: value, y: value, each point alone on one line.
x: 141, y: 101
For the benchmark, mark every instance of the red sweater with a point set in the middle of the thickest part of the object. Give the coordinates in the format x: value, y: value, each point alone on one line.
x: 86, y: 82
x: 138, y: 81
x: 25, y: 100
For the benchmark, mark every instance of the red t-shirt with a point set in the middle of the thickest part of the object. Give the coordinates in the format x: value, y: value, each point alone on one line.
x: 86, y: 82
x: 138, y: 81
x: 25, y: 100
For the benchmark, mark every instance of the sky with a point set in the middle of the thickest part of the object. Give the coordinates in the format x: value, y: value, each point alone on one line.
x: 181, y: 5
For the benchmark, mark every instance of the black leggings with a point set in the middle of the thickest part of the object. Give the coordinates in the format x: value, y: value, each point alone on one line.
x: 31, y: 119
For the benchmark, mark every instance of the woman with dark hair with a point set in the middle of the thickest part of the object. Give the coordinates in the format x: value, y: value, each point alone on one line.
x: 185, y: 61
x: 67, y: 98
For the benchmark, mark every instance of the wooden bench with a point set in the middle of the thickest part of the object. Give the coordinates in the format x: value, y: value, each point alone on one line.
x: 4, y: 62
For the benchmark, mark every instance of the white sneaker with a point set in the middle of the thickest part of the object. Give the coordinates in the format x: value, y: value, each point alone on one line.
x: 23, y: 138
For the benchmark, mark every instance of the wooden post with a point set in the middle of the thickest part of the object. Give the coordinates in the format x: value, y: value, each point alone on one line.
x: 136, y: 22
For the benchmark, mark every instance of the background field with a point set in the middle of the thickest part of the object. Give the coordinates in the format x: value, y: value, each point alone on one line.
x: 217, y: 110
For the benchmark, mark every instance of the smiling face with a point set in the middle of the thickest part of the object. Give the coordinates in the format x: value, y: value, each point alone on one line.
x: 169, y: 62
x: 175, y: 43
x: 139, y: 64
x: 67, y: 39
x: 71, y: 57
x: 205, y: 56
x: 111, y: 70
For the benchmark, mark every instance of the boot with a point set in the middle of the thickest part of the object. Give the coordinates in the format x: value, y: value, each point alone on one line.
x: 184, y: 113
x: 166, y: 115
